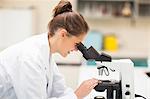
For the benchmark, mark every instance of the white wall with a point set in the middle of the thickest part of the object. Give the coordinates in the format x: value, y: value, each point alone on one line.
x: 133, y: 37
x: 15, y: 25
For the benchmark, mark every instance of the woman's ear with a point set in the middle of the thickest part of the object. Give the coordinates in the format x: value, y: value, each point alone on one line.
x: 62, y: 33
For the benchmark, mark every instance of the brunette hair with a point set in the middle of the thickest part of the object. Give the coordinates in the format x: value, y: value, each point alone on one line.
x: 64, y: 17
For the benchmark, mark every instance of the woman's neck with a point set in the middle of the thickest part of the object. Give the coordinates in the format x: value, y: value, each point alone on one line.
x: 52, y: 44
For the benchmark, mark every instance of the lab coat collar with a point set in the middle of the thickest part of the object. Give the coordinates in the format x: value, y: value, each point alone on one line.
x: 45, y: 45
x: 46, y: 53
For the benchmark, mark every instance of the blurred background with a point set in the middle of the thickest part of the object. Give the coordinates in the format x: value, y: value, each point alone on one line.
x: 120, y: 28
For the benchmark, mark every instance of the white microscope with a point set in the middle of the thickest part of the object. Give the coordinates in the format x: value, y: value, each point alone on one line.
x: 122, y: 89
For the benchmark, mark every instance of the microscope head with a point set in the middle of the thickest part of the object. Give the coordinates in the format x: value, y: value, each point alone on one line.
x: 91, y: 53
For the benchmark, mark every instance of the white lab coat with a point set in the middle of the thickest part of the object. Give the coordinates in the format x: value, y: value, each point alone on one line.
x: 27, y: 71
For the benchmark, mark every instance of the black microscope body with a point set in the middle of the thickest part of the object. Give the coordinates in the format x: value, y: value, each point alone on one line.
x: 110, y: 87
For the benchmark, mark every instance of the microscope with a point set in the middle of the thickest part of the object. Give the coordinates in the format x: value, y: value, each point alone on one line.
x: 122, y: 89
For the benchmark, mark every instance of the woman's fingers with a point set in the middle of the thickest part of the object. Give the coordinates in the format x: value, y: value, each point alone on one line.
x: 93, y: 80
x: 91, y: 87
x: 94, y: 83
x: 86, y: 87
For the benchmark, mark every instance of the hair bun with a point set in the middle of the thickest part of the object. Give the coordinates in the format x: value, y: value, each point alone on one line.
x: 63, y: 6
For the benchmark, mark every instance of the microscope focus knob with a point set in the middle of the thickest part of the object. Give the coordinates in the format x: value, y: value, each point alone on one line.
x: 127, y: 93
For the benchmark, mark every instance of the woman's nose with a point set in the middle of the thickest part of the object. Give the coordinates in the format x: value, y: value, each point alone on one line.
x: 75, y: 49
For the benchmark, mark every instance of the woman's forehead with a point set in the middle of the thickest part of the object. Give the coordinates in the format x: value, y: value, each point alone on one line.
x: 80, y: 37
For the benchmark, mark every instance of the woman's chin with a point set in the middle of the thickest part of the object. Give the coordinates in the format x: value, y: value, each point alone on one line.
x: 64, y: 55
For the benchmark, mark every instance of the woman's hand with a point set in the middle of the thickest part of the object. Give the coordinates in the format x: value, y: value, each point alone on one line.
x: 86, y: 87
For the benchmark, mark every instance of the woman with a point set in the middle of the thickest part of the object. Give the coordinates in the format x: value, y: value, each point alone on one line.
x: 27, y: 70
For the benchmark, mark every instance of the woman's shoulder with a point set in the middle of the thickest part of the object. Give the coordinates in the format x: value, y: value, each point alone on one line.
x: 33, y: 45
x: 28, y: 48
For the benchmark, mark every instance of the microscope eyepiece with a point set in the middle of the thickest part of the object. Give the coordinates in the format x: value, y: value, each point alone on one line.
x: 81, y: 47
x: 91, y: 53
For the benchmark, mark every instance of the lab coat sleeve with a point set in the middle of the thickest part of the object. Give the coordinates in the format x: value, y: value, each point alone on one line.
x: 59, y: 89
x: 29, y: 80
